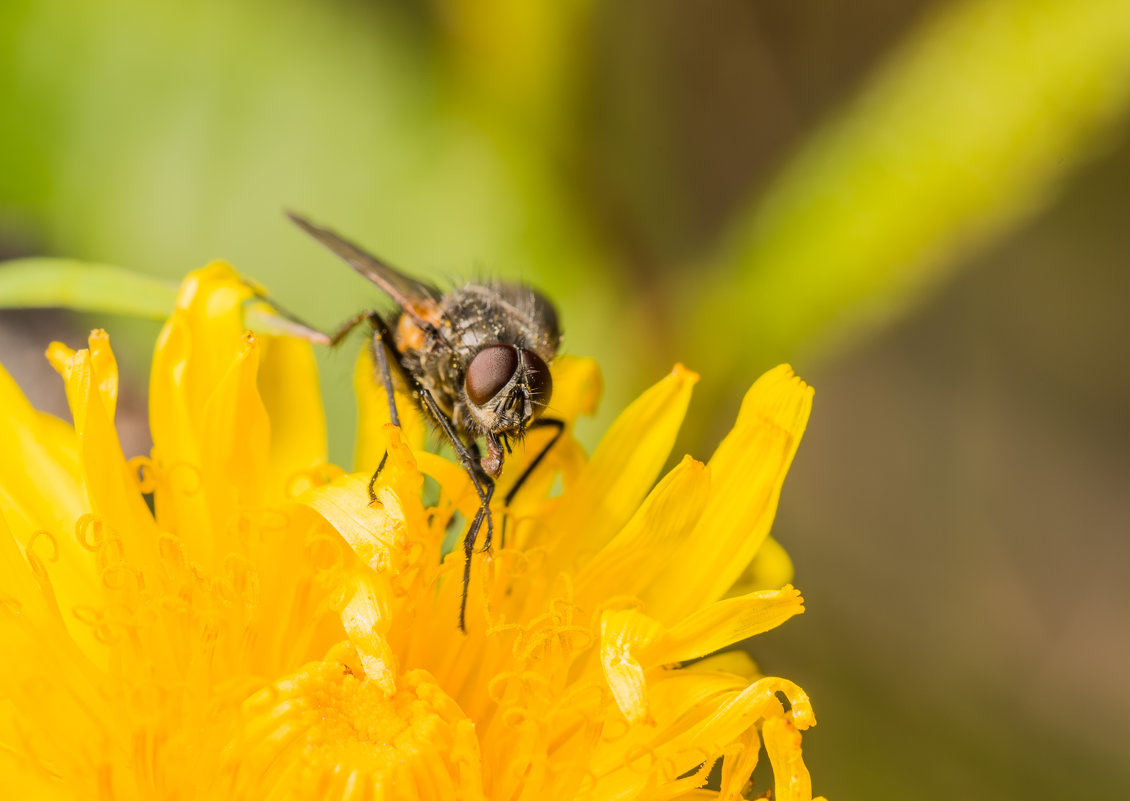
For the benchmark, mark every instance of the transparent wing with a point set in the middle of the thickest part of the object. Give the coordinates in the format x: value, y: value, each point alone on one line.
x: 415, y: 297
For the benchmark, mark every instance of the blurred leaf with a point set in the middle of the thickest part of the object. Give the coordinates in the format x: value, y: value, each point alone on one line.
x: 82, y: 286
x: 962, y: 133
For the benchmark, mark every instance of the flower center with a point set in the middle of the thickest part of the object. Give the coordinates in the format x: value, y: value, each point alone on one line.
x: 325, y: 733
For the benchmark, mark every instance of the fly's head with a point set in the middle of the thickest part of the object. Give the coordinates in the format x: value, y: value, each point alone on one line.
x: 507, y: 387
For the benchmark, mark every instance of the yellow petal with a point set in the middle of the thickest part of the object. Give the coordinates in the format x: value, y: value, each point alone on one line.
x: 684, y: 704
x: 675, y: 693
x: 389, y: 533
x: 111, y: 486
x: 791, y: 780
x: 632, y: 559
x: 294, y: 563
x: 748, y: 470
x: 288, y: 385
x: 687, y: 788
x: 41, y: 497
x: 577, y: 387
x: 58, y: 438
x: 179, y: 500
x: 50, y: 685
x: 21, y: 592
x: 623, y: 634
x: 369, y: 529
x: 738, y: 768
x: 736, y: 712
x: 235, y: 438
x: 726, y: 622
x: 452, y: 479
x: 367, y: 617
x: 105, y: 366
x: 373, y: 415
x: 39, y: 468
x: 195, y: 350
x: 626, y: 463
x: 234, y: 421
x: 536, y: 485
x: 211, y: 302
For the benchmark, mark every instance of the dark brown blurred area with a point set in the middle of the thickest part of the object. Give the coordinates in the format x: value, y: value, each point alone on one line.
x: 24, y: 336
x: 959, y: 518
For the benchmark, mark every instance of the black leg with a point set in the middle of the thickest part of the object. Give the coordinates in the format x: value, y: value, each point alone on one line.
x: 374, y: 477
x: 345, y: 328
x: 380, y: 345
x: 468, y: 552
x: 479, y: 479
x: 483, y: 484
x: 539, y: 423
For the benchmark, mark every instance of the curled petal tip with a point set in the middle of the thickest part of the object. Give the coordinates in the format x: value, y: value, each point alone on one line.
x: 681, y: 371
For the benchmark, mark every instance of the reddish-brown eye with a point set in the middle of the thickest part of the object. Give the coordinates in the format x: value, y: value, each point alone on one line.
x: 539, y: 378
x: 490, y: 370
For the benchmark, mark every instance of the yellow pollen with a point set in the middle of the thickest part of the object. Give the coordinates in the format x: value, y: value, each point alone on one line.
x: 326, y: 729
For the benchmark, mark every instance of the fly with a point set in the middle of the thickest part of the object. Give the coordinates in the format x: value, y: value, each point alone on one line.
x: 476, y: 359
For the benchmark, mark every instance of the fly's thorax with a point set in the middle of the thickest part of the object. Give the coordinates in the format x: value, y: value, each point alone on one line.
x: 433, y: 366
x: 513, y: 314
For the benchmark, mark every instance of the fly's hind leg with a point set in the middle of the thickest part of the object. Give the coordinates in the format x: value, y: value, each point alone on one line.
x: 380, y: 345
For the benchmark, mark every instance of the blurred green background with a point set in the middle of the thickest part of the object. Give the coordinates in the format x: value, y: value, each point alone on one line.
x: 922, y: 206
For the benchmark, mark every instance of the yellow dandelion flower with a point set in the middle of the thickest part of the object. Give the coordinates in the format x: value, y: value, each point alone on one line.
x: 231, y: 618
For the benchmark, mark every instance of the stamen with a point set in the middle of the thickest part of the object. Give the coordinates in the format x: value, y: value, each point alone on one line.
x: 88, y: 532
x: 324, y: 551
x: 324, y: 722
x: 119, y: 577
x: 144, y: 472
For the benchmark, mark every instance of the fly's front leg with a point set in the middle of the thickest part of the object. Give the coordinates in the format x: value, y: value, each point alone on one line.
x: 483, y: 484
x: 469, y: 551
x: 559, y: 425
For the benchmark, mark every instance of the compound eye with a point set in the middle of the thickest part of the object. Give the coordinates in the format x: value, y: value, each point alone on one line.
x: 539, y: 378
x: 490, y: 371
